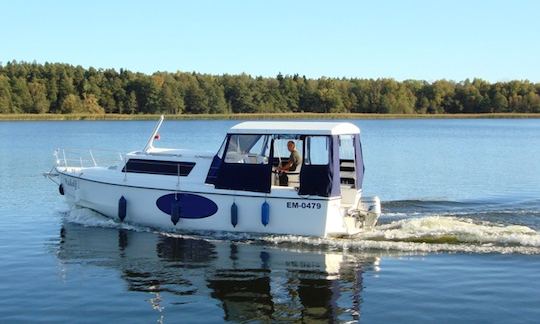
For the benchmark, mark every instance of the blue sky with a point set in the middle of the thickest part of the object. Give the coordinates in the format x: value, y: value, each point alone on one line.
x: 415, y: 39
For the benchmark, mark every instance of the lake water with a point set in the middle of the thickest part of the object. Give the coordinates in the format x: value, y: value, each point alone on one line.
x: 458, y: 241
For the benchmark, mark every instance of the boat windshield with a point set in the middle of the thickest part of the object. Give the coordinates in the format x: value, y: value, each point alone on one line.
x: 252, y: 149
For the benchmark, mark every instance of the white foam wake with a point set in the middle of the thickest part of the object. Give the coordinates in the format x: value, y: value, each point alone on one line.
x: 426, y: 234
x: 90, y: 218
x: 433, y: 234
x: 438, y: 229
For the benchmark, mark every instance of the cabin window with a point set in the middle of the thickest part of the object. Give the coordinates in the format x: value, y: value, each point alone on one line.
x: 174, y: 168
x: 317, y: 150
x: 249, y: 149
x: 246, y: 166
x: 290, y: 177
x: 346, y: 147
x: 281, y: 150
x: 347, y: 164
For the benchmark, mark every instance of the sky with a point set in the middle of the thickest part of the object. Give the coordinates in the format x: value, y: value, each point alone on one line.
x: 408, y: 39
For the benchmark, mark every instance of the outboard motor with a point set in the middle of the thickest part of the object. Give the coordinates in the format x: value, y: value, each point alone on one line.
x: 365, y: 215
x: 371, y: 205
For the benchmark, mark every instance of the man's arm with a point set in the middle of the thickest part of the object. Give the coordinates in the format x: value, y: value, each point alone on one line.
x: 287, y: 166
x: 294, y: 158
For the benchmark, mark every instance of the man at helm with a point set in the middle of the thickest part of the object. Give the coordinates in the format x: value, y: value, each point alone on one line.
x: 294, y: 159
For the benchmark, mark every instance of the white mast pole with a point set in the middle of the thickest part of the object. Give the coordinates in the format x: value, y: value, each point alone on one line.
x: 150, y: 143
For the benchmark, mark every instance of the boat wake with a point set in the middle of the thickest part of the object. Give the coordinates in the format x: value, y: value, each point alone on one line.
x: 455, y: 207
x: 89, y: 218
x: 417, y: 228
x: 432, y: 234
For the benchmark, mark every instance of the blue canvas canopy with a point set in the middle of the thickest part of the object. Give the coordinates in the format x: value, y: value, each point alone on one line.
x: 359, y: 160
x: 321, y: 179
x: 240, y: 176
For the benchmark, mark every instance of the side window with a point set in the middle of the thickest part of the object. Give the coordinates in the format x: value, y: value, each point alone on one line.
x: 317, y: 150
x: 159, y: 167
x: 251, y: 149
x: 346, y: 147
x: 261, y: 147
x: 281, y: 147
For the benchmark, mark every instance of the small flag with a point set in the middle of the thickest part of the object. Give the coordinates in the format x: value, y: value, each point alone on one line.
x: 157, y: 137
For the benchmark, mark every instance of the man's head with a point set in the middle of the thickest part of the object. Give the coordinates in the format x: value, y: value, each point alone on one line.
x: 290, y: 146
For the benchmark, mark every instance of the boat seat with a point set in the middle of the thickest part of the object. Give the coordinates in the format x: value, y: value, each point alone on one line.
x: 347, y: 177
x: 294, y: 178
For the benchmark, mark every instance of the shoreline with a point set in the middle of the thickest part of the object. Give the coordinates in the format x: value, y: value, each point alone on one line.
x: 260, y: 116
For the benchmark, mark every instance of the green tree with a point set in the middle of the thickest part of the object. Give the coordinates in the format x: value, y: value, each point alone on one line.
x: 238, y: 93
x: 195, y: 100
x: 288, y: 88
x: 308, y: 97
x: 441, y: 96
x: 90, y: 105
x: 469, y: 97
x: 499, y: 102
x: 5, y: 95
x: 37, y: 88
x: 38, y: 93
x: 328, y: 97
x: 171, y: 97
x: 21, y: 98
x: 131, y: 103
x: 147, y: 94
x: 65, y: 87
x: 396, y: 98
x: 71, y: 104
x: 215, y: 94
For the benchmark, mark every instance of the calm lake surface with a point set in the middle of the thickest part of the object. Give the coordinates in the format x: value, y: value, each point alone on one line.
x: 458, y: 241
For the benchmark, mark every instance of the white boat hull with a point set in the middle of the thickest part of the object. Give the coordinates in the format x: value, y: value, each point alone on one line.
x: 314, y: 216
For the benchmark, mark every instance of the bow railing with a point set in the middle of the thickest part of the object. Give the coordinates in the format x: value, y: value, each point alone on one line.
x: 79, y: 158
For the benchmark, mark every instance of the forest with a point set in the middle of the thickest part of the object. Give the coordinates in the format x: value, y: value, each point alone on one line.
x: 57, y: 88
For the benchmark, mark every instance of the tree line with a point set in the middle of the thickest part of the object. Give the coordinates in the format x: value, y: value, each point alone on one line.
x: 62, y: 89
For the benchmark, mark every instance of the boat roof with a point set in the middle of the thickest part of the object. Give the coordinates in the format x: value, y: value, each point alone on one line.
x: 290, y: 127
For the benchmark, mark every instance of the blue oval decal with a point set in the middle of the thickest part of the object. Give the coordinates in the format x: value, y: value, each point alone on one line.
x: 191, y: 206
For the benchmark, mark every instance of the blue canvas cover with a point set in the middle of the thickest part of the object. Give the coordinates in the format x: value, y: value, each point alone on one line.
x: 214, y: 170
x: 245, y: 177
x: 334, y: 167
x: 359, y: 167
x: 322, y: 180
x: 240, y: 176
x: 317, y: 180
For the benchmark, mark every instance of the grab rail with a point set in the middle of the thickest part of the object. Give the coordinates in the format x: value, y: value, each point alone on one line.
x: 70, y: 157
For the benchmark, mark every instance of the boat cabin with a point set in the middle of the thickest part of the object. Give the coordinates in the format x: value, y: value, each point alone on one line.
x: 253, y: 155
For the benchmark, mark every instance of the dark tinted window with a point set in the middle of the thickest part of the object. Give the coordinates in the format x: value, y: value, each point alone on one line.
x: 158, y: 167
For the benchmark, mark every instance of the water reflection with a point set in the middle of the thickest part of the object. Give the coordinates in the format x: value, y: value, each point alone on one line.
x: 250, y: 281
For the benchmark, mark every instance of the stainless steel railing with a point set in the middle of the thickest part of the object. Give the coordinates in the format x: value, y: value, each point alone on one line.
x: 73, y: 158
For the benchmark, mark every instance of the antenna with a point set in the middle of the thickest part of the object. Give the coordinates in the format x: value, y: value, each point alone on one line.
x: 150, y: 144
